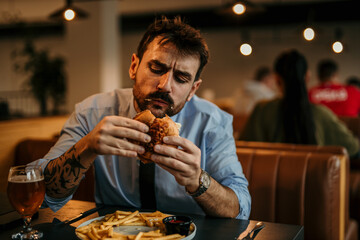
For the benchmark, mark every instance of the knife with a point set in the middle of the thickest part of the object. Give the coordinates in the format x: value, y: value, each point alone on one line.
x: 80, y: 216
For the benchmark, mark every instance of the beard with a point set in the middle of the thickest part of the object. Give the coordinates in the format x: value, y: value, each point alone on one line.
x: 146, y: 102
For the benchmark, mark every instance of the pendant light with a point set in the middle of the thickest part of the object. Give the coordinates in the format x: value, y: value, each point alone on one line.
x: 68, y: 13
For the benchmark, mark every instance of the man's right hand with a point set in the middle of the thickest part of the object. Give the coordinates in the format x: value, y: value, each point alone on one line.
x: 109, y: 137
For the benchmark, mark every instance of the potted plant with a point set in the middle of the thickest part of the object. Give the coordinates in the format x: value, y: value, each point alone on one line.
x: 46, y: 76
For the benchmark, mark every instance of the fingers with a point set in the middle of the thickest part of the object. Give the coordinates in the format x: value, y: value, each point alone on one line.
x: 185, y: 175
x: 186, y: 160
x: 128, y: 123
x: 128, y: 133
x: 180, y: 177
x: 110, y: 136
x: 122, y: 127
x: 119, y: 151
x: 115, y: 144
x: 187, y: 153
x: 169, y: 162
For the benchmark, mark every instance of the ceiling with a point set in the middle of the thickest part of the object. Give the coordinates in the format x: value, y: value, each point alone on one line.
x: 262, y: 13
x: 136, y: 14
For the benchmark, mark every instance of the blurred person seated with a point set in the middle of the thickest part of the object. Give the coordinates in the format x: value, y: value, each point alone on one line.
x: 262, y: 87
x: 341, y: 99
x: 353, y: 81
x: 292, y: 118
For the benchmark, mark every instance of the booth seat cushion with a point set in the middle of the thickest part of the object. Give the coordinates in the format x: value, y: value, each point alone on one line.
x: 297, y: 187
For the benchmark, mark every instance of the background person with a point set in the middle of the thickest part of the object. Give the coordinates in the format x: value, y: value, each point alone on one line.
x: 261, y: 87
x: 353, y: 81
x: 341, y: 99
x: 292, y: 118
x: 166, y: 73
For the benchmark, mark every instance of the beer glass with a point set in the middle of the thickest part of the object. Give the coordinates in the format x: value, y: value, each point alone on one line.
x: 26, y: 191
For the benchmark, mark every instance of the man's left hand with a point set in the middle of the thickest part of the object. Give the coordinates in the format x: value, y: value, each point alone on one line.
x: 183, y: 163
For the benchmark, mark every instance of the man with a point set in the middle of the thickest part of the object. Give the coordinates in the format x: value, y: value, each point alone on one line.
x: 166, y: 73
x: 252, y: 91
x: 342, y: 100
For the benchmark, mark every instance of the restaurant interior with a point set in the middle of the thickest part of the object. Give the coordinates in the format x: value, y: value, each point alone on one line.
x: 94, y: 50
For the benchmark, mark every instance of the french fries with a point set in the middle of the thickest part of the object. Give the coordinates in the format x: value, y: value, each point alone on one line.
x: 103, y: 229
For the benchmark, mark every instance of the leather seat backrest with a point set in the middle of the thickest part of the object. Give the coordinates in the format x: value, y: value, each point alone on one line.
x: 295, y: 187
x: 293, y: 147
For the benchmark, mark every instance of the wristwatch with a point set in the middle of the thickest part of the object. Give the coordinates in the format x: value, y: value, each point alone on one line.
x: 204, y: 182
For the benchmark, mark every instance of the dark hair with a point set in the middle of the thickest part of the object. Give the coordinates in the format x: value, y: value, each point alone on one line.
x: 326, y: 68
x: 353, y: 81
x: 261, y: 72
x: 296, y: 115
x: 186, y: 39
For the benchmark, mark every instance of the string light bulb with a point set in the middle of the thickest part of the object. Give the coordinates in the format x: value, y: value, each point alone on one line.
x: 69, y: 14
x: 337, y: 47
x: 239, y: 8
x: 245, y: 49
x: 309, y: 34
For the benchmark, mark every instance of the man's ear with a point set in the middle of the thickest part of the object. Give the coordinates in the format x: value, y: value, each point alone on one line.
x: 133, y: 66
x: 194, y: 88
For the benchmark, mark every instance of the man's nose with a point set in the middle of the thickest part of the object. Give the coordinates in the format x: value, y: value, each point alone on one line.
x: 165, y: 82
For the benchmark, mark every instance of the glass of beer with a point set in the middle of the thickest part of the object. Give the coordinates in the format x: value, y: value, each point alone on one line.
x: 26, y: 192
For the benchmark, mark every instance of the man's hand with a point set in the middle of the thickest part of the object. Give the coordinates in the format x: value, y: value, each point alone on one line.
x: 109, y: 137
x: 183, y: 164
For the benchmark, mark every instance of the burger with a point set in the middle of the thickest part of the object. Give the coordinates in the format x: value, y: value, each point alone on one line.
x: 158, y: 129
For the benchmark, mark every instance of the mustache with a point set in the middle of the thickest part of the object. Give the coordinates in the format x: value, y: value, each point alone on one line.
x: 163, y: 96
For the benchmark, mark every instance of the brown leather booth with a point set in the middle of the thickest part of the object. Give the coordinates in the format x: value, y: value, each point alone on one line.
x: 31, y: 149
x: 306, y: 186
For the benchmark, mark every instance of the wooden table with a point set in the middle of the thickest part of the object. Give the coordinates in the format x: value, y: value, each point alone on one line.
x: 207, y: 227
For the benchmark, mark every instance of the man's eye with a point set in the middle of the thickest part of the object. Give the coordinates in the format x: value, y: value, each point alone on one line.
x: 180, y: 80
x: 156, y: 70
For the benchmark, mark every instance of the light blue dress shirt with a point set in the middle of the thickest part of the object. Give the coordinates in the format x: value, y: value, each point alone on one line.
x: 117, y: 178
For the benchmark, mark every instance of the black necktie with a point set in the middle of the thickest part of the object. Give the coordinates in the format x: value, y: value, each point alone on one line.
x: 147, y: 186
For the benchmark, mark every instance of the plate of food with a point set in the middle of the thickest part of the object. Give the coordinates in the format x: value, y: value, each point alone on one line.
x: 130, y: 225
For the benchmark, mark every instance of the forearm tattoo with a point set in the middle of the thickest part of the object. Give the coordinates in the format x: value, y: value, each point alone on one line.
x: 62, y: 175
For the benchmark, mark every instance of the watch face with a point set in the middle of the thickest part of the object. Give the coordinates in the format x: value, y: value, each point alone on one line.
x: 205, y: 179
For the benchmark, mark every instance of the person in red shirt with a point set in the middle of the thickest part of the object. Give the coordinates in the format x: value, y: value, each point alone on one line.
x: 341, y: 99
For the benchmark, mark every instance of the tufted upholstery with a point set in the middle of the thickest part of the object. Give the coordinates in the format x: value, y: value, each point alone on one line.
x: 303, y: 185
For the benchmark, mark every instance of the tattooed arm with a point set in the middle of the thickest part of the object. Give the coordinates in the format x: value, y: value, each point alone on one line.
x: 63, y: 174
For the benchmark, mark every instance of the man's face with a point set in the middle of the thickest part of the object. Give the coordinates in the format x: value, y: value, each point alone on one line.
x: 164, y: 79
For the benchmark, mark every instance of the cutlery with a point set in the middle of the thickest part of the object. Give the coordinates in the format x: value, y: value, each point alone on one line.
x: 252, y: 234
x: 78, y: 217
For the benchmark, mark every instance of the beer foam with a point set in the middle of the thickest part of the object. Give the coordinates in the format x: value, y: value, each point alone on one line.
x: 24, y: 178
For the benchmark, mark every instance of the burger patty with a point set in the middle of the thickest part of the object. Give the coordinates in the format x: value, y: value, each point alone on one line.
x: 157, y: 133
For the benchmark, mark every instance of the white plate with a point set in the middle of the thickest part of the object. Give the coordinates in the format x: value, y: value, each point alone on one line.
x: 133, y: 230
